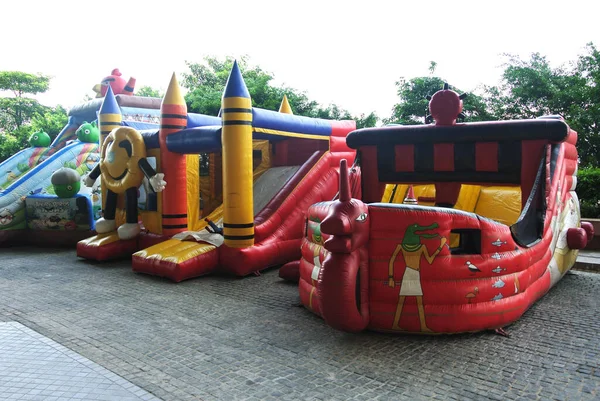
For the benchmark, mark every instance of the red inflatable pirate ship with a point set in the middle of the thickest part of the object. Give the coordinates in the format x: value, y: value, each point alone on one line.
x: 495, y: 225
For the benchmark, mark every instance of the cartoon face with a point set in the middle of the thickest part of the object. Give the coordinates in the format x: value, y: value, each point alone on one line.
x: 66, y: 182
x: 122, y: 150
x: 88, y: 132
x: 115, y: 81
x: 52, y: 222
x: 414, y: 230
x: 67, y: 190
x: 91, y: 161
x: 117, y: 156
x: 348, y: 218
x: 95, y: 194
x: 6, y: 217
x: 314, y: 226
x: 40, y: 139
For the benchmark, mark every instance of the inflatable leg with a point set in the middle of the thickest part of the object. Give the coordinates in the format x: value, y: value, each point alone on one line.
x: 131, y: 227
x: 107, y: 223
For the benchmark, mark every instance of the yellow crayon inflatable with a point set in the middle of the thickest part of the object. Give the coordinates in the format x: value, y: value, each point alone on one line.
x: 109, y: 116
x: 238, y: 211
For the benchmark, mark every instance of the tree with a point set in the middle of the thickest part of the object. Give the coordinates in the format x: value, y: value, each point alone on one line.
x: 52, y: 121
x: 148, y: 91
x: 20, y: 116
x: 207, y: 81
x: 584, y: 112
x: 19, y: 109
x: 532, y: 88
x: 365, y: 121
x: 432, y: 67
x: 414, y: 106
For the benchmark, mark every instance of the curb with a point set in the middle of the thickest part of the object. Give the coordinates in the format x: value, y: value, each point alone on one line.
x: 588, y: 261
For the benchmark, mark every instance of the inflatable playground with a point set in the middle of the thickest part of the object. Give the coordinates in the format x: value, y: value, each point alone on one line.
x: 30, y: 208
x: 231, y: 192
x: 454, y: 228
x: 445, y: 227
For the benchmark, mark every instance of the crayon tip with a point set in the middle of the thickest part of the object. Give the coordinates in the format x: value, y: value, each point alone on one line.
x: 235, y: 86
x: 285, y: 106
x: 109, y: 104
x: 173, y: 94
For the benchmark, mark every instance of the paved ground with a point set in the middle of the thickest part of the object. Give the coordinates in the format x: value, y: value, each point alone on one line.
x: 33, y: 367
x: 219, y: 338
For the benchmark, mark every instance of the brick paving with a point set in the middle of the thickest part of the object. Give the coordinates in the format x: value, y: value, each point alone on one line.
x: 33, y: 367
x: 223, y: 338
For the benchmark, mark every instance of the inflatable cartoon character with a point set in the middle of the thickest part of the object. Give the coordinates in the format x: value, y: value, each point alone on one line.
x: 66, y: 182
x: 123, y: 166
x: 91, y: 160
x: 412, y: 250
x: 118, y: 84
x: 88, y: 132
x: 6, y: 217
x: 39, y: 140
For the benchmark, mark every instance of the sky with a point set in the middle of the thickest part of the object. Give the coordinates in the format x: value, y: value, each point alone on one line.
x: 349, y: 53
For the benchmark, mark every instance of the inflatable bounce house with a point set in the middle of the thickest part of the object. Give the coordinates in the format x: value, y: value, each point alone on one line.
x: 487, y: 222
x: 233, y: 193
x: 134, y: 167
x: 28, y: 200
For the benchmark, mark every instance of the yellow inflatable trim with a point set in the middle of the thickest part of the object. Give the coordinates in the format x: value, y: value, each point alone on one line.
x: 175, y: 251
x: 101, y: 239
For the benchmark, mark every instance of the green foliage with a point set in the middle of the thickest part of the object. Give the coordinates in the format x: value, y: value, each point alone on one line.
x: 366, y: 121
x: 13, y: 141
x: 414, y: 106
x: 532, y: 88
x: 207, y: 81
x: 148, y: 91
x: 21, y: 116
x: 588, y: 190
x: 589, y: 210
x: 51, y: 121
x: 18, y: 110
x: 21, y: 83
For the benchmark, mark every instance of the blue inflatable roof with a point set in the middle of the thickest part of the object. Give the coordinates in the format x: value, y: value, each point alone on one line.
x: 195, y: 140
x: 274, y: 120
x: 201, y: 120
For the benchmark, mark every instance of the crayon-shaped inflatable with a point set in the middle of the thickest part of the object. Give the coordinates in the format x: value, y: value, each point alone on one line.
x: 238, y: 211
x: 285, y: 106
x: 109, y: 116
x: 173, y: 118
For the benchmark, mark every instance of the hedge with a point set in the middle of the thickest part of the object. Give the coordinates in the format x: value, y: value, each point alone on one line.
x: 588, y: 190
